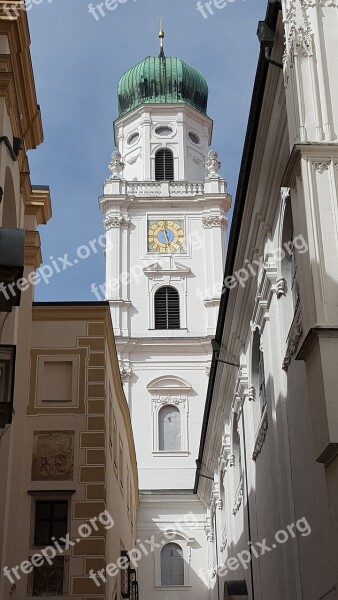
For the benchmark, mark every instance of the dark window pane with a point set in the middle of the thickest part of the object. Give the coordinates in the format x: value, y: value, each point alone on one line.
x: 164, y: 165
x: 50, y: 520
x: 167, y: 308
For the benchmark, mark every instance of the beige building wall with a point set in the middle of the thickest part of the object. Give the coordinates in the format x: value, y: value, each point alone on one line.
x: 76, y: 416
x: 22, y: 207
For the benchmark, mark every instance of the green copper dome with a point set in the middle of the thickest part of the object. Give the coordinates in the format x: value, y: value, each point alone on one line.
x: 162, y: 81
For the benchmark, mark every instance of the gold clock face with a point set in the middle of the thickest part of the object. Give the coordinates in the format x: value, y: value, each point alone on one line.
x: 165, y: 236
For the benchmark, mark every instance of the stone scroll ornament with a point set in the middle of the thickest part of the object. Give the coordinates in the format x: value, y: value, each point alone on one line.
x: 213, y: 165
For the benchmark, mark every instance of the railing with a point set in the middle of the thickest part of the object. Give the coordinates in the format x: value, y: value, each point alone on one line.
x: 164, y: 188
x: 186, y: 189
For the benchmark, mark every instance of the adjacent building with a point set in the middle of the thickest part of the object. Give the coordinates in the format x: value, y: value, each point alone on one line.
x: 68, y: 474
x: 268, y: 456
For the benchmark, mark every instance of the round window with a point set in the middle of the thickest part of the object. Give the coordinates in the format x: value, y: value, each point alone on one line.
x: 193, y: 137
x: 133, y: 138
x: 163, y: 131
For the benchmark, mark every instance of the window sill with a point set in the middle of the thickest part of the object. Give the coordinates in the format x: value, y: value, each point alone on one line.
x: 172, y: 587
x: 171, y: 454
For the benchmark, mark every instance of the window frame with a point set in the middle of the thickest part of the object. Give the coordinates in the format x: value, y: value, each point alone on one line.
x: 184, y: 541
x: 177, y: 308
x: 50, y: 520
x: 181, y: 556
x: 168, y: 169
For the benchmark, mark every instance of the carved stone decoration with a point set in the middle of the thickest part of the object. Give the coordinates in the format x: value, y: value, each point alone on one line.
x: 281, y: 287
x: 116, y: 165
x: 238, y: 497
x: 208, y: 530
x: 321, y: 167
x: 214, y: 221
x: 177, y: 399
x: 252, y: 394
x: 293, y: 341
x: 125, y: 373
x: 219, y: 503
x: 284, y: 193
x: 260, y: 437
x: 300, y: 38
x: 53, y: 456
x: 112, y: 221
x: 213, y: 165
x: 224, y: 540
x: 132, y: 160
x: 231, y: 460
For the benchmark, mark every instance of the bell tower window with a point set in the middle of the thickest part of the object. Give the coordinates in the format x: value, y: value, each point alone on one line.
x: 167, y: 308
x: 164, y: 165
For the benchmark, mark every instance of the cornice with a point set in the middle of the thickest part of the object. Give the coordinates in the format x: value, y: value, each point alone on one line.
x: 24, y: 112
x: 39, y: 205
x: 33, y: 249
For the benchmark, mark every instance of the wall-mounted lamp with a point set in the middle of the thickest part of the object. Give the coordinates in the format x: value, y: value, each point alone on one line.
x: 216, y: 348
x: 266, y: 38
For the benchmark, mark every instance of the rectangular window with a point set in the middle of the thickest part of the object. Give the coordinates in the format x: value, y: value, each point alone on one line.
x: 51, y: 518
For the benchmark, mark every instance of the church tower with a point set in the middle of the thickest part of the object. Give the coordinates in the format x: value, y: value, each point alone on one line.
x: 164, y: 209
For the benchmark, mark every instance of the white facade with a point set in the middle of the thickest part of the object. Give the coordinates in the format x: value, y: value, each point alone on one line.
x: 165, y: 371
x: 271, y: 440
x: 164, y: 367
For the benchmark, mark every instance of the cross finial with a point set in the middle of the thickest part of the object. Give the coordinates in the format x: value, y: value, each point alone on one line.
x: 161, y: 36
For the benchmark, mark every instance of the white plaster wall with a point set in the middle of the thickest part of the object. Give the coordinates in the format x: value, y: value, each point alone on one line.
x: 139, y: 157
x: 185, y: 516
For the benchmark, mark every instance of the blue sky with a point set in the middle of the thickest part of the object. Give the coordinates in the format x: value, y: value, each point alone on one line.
x: 77, y: 63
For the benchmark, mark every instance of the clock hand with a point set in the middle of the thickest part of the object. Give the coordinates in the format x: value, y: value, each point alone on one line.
x: 165, y: 233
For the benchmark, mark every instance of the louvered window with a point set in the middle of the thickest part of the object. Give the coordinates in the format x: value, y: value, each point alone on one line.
x: 167, y: 308
x: 169, y: 428
x: 164, y: 165
x: 172, y: 565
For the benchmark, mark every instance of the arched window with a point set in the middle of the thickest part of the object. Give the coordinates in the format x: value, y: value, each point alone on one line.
x: 258, y: 374
x: 172, y: 565
x: 169, y: 429
x: 164, y: 165
x: 167, y: 308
